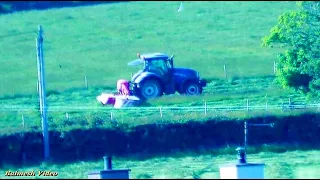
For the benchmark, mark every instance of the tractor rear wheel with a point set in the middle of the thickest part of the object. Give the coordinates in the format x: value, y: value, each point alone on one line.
x: 192, y: 88
x: 150, y: 89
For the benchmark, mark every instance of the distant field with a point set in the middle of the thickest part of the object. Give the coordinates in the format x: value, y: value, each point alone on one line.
x: 98, y: 41
x: 289, y: 165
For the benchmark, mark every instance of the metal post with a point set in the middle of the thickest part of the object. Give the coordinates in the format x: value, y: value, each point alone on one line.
x: 42, y: 93
x: 107, y: 162
x: 241, y: 155
x: 246, y: 125
x: 247, y: 104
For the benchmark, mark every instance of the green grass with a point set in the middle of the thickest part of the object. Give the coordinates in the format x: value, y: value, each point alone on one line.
x: 219, y: 93
x: 98, y: 41
x: 291, y: 165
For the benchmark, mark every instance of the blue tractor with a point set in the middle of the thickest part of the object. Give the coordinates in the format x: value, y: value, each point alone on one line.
x: 158, y: 76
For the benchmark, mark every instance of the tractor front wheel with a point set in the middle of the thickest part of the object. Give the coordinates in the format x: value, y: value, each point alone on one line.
x: 192, y: 88
x: 150, y: 89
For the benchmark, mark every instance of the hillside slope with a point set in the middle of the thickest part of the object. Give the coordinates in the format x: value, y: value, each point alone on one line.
x: 98, y: 41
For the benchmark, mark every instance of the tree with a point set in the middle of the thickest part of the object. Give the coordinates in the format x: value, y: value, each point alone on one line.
x: 299, y: 33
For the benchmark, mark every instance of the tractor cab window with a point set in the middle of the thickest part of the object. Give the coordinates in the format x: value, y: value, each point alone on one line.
x: 159, y: 66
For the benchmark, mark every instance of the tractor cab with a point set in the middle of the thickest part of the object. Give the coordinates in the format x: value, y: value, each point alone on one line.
x: 153, y: 61
x: 157, y: 63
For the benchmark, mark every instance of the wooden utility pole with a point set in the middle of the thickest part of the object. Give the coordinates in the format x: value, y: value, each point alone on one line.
x: 42, y: 93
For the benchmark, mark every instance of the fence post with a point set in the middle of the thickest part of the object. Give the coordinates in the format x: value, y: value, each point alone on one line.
x: 225, y: 71
x: 247, y: 104
x: 245, y: 134
x: 86, y: 82
x: 290, y: 104
x: 67, y: 116
x: 266, y: 106
x: 111, y: 116
x: 274, y: 67
x: 160, y: 110
x: 205, y: 108
x: 22, y: 118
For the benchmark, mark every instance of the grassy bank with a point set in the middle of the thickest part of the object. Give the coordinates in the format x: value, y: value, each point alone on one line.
x: 285, y: 165
x: 91, y: 141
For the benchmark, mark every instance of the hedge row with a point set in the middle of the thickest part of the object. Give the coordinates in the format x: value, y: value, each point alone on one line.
x: 82, y: 144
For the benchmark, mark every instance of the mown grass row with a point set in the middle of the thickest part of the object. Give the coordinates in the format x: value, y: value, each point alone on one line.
x: 67, y: 107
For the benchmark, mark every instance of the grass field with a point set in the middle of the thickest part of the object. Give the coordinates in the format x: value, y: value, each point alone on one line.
x: 291, y: 165
x: 98, y: 41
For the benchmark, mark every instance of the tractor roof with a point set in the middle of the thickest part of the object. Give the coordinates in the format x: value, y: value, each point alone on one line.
x: 152, y: 56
